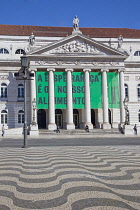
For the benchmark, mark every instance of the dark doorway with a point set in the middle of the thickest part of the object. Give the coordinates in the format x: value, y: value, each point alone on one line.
x: 109, y: 116
x: 76, y: 118
x: 41, y: 118
x: 58, y: 118
x: 93, y: 117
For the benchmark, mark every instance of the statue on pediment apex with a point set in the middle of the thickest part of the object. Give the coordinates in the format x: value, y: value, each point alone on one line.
x: 76, y: 23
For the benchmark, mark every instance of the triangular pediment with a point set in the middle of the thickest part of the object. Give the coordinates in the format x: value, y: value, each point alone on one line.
x: 78, y: 44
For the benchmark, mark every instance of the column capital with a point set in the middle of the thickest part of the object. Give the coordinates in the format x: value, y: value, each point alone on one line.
x: 32, y: 70
x: 86, y: 70
x: 51, y: 69
x: 104, y: 70
x: 69, y: 70
x: 121, y: 70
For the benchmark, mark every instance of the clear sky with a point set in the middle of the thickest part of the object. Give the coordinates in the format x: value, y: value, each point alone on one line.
x: 92, y: 13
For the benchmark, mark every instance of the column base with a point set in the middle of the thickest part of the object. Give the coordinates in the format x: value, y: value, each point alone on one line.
x: 128, y: 130
x: 106, y: 126
x: 121, y: 125
x: 82, y: 125
x: 115, y: 125
x: 34, y: 130
x: 70, y: 126
x: 98, y: 125
x: 51, y: 126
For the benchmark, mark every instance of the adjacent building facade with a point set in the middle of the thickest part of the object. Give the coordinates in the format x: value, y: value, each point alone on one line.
x: 81, y: 76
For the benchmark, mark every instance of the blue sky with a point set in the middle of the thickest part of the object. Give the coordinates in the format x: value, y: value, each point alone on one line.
x: 92, y: 13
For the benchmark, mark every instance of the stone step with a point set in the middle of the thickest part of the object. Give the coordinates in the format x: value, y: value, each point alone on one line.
x: 81, y: 131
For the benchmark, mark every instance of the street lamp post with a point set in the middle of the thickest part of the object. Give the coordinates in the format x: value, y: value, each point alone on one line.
x: 24, y: 65
x: 24, y: 77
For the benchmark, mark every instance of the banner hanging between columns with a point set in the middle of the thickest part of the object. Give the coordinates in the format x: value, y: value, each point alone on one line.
x: 42, y: 90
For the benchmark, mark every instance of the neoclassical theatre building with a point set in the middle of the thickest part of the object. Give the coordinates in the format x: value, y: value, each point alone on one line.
x: 81, y: 76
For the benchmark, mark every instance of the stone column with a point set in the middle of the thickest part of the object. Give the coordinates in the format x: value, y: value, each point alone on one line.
x: 106, y: 124
x: 70, y: 124
x: 87, y: 99
x: 51, y: 125
x: 34, y: 125
x: 122, y: 96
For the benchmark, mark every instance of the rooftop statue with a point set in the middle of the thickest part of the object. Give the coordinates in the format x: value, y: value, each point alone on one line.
x: 75, y: 23
x: 32, y: 39
x: 120, y: 41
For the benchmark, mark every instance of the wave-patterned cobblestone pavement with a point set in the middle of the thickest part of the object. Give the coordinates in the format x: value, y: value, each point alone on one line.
x: 70, y: 178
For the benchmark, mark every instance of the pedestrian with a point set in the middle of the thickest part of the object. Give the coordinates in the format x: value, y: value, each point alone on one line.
x: 135, y: 129
x: 3, y: 130
x: 86, y: 128
x: 58, y: 130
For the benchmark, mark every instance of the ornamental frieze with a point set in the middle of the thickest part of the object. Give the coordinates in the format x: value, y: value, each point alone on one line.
x: 137, y: 78
x: 3, y: 77
x: 126, y: 78
x: 59, y: 62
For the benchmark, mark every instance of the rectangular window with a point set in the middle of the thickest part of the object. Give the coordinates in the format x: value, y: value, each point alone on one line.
x: 138, y: 92
x: 2, y: 95
x: 22, y: 118
x: 19, y: 118
x: 2, y: 119
x: 3, y: 92
x: 5, y: 118
x: 20, y: 92
x: 126, y: 92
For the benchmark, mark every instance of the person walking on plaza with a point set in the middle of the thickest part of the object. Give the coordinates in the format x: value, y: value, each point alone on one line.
x: 3, y: 130
x: 135, y: 129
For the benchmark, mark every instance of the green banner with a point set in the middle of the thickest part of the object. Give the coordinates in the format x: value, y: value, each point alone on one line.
x: 95, y: 90
x: 42, y: 90
x: 60, y: 90
x: 78, y: 90
x: 113, y: 90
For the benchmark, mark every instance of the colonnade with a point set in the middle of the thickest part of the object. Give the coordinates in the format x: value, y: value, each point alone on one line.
x: 69, y: 110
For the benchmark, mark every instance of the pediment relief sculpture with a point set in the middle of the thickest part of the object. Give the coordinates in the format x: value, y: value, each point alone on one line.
x: 76, y: 46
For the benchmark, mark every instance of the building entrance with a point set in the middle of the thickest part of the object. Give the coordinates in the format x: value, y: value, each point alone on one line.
x: 76, y: 118
x: 41, y: 118
x: 58, y: 118
x: 93, y: 117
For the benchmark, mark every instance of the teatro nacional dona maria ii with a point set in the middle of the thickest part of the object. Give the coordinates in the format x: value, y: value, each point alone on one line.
x: 75, y: 77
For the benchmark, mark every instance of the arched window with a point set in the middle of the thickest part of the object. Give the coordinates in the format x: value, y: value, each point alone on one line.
x: 139, y: 116
x: 20, y: 51
x: 3, y: 90
x: 138, y: 92
x: 137, y: 53
x: 21, y: 116
x: 126, y: 91
x: 4, y: 51
x: 3, y: 117
x: 20, y: 91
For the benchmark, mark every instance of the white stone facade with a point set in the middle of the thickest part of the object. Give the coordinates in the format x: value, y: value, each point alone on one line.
x: 76, y: 52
